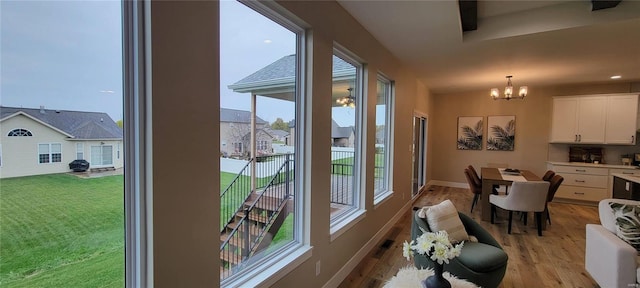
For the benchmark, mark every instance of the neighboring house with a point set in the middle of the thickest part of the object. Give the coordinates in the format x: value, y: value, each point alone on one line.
x: 44, y: 141
x: 278, y: 135
x: 342, y: 136
x: 235, y: 133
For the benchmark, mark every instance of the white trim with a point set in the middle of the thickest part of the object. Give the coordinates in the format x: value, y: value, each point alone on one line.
x: 381, y: 198
x: 342, y: 274
x: 37, y: 120
x: 448, y: 184
x: 277, y: 267
x: 345, y: 223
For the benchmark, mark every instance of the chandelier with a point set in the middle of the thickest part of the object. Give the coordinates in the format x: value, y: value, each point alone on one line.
x: 347, y: 101
x: 508, y: 91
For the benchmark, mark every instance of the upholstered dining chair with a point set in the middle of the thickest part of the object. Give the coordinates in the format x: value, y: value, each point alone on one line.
x: 548, y: 175
x: 554, y: 183
x: 523, y: 196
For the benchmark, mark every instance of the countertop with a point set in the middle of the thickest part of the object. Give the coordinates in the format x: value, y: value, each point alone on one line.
x: 627, y: 177
x: 581, y: 164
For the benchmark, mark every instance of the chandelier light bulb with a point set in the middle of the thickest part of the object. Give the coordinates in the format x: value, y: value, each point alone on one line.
x: 508, y: 91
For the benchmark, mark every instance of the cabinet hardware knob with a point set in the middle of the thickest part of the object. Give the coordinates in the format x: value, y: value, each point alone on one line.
x: 629, y: 173
x: 581, y: 170
x: 632, y: 138
x: 580, y: 181
x: 578, y: 193
x: 576, y: 138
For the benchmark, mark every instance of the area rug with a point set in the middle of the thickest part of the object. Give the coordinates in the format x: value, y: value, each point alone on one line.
x: 410, y: 277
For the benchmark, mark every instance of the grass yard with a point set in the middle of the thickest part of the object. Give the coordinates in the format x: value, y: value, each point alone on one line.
x: 62, y: 231
x: 59, y: 230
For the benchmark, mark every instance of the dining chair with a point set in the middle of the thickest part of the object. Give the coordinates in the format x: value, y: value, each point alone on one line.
x: 548, y: 175
x: 474, y: 186
x: 555, y: 182
x: 523, y: 196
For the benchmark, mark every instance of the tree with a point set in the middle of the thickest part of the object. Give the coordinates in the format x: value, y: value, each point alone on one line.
x: 120, y: 123
x: 279, y: 124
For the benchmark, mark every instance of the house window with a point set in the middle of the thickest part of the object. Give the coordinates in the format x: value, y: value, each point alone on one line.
x: 49, y: 153
x: 237, y: 147
x: 19, y: 132
x: 79, y: 151
x: 262, y: 145
x: 279, y: 217
x: 382, y: 160
x: 101, y: 155
x: 346, y: 172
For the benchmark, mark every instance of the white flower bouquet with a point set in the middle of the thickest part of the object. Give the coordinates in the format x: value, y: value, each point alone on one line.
x: 434, y: 245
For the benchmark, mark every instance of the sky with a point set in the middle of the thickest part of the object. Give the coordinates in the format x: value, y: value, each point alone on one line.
x: 67, y: 55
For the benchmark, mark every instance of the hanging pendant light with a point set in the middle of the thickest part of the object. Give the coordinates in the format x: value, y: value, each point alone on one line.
x: 508, y: 91
x: 347, y: 101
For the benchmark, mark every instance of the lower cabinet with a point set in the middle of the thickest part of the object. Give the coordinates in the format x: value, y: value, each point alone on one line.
x: 587, y: 183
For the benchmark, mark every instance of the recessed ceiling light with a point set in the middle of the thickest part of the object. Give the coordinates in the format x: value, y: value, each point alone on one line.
x: 616, y: 77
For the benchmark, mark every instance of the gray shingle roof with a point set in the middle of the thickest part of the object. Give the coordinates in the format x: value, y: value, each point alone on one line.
x: 82, y: 125
x: 340, y: 132
x: 238, y: 116
x: 283, y: 69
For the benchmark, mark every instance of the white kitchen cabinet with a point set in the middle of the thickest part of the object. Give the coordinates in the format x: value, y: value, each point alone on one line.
x: 579, y: 119
x: 622, y: 112
x: 587, y: 183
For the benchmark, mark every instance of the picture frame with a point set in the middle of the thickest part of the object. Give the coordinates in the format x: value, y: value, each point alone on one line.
x: 501, y: 133
x: 470, y: 133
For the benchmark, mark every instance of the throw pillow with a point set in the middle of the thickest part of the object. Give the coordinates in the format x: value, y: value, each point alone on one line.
x: 627, y: 223
x: 444, y: 216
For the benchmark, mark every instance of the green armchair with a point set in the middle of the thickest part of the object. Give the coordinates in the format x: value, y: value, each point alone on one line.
x: 483, y: 263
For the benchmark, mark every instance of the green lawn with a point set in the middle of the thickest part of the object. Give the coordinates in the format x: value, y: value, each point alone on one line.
x: 59, y: 230
x: 62, y: 231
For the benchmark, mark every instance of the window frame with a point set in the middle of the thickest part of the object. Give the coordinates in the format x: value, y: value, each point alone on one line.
x: 266, y: 271
x: 80, y: 151
x: 379, y: 195
x: 344, y: 221
x: 50, y: 153
x: 19, y: 131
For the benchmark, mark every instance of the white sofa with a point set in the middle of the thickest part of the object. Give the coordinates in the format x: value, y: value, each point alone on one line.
x: 610, y: 261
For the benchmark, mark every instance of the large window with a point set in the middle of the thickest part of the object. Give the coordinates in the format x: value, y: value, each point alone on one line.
x: 59, y: 229
x: 50, y: 153
x: 382, y: 161
x: 345, y: 138
x: 101, y: 155
x: 260, y: 207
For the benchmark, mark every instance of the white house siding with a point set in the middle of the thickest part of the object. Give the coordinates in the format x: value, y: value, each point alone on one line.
x: 20, y: 153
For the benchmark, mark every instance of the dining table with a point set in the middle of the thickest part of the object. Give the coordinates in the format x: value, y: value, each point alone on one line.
x: 495, y: 176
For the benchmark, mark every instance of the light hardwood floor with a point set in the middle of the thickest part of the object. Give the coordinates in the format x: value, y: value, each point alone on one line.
x: 554, y: 260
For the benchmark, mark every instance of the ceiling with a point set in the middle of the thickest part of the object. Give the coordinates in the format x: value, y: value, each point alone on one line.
x: 540, y: 43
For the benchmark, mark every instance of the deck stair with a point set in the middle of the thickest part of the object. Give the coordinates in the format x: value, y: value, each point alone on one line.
x: 255, y: 222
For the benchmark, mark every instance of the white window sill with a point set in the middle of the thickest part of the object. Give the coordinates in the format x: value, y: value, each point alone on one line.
x: 381, y: 198
x: 272, y: 270
x: 344, y: 224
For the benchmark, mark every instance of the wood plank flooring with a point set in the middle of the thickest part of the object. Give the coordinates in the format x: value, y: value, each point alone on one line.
x: 554, y: 260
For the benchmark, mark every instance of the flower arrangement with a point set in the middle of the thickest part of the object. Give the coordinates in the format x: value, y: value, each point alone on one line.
x: 435, y: 245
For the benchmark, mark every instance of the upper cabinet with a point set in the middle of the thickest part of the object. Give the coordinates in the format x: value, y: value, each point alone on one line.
x: 622, y: 114
x: 598, y: 119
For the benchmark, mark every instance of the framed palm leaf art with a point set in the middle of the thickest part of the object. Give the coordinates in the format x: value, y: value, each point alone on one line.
x: 470, y: 133
x: 501, y: 133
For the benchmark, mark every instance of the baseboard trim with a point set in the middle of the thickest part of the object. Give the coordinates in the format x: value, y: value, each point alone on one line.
x: 342, y: 274
x: 448, y: 184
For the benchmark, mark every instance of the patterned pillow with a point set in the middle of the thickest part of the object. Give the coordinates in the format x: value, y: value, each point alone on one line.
x: 627, y: 223
x: 444, y: 216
